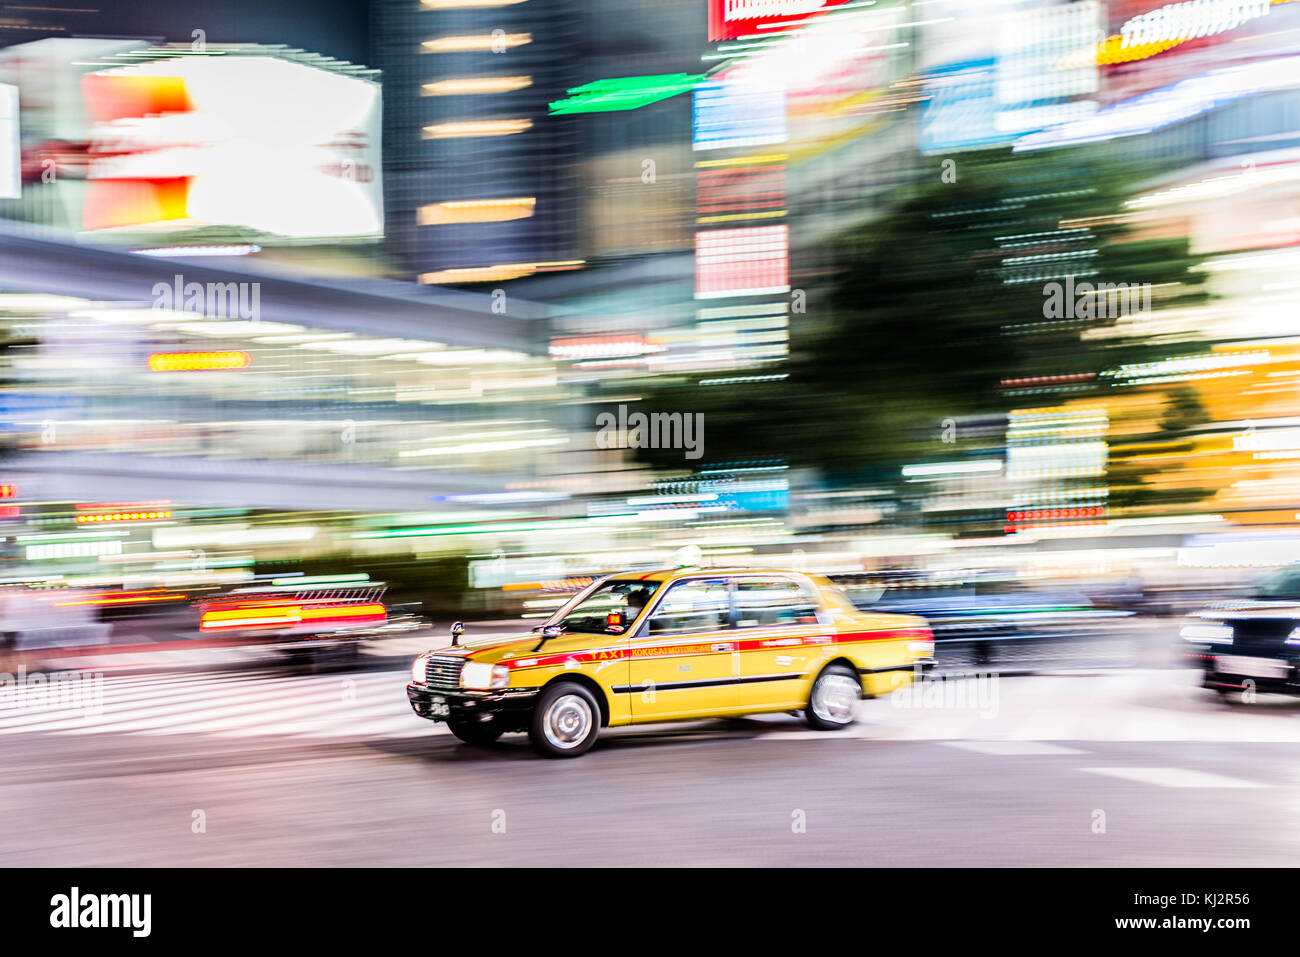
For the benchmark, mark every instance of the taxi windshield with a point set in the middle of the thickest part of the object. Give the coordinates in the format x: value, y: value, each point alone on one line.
x: 1283, y: 585
x: 625, y: 598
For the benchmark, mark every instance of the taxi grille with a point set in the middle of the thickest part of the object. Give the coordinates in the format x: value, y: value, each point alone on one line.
x: 443, y: 673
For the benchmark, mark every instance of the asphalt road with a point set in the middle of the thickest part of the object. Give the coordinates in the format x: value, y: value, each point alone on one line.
x: 248, y: 767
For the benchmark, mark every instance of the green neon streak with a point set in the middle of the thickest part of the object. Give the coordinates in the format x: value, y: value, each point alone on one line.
x: 624, y: 93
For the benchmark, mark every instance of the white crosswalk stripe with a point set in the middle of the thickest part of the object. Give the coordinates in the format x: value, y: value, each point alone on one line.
x: 1174, y: 777
x: 367, y: 704
x: 1012, y: 748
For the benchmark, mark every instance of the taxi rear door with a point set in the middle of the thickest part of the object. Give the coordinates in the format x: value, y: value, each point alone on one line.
x: 779, y: 637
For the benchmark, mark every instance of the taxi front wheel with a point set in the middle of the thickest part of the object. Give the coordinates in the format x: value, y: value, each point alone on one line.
x: 565, y: 722
x: 834, y: 697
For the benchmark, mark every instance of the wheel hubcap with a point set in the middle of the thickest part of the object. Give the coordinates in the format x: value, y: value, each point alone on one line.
x: 568, y: 721
x: 833, y: 698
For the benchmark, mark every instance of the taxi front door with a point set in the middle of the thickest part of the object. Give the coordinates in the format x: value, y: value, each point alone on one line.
x: 682, y: 660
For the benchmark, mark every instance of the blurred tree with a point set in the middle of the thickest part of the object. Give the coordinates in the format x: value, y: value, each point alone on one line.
x: 939, y: 306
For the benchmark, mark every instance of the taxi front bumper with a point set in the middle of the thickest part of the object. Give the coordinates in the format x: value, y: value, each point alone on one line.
x: 509, y: 706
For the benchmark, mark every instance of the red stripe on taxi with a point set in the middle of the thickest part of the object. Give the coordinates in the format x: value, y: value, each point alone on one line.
x: 704, y: 642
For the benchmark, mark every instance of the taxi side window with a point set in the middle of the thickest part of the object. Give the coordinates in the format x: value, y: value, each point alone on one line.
x: 692, y: 606
x: 774, y: 601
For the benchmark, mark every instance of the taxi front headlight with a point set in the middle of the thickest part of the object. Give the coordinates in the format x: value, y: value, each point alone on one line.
x: 481, y: 677
x: 418, y: 668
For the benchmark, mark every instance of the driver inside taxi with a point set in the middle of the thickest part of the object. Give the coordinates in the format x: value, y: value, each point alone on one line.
x: 635, y: 599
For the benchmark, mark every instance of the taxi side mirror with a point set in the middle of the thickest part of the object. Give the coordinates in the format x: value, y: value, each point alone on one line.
x: 457, y: 629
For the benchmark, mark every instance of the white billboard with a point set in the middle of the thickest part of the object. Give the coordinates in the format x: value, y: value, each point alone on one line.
x: 266, y: 146
x: 11, y: 162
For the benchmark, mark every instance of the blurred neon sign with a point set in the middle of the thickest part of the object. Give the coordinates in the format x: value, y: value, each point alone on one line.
x: 121, y: 517
x: 1174, y: 24
x: 733, y: 18
x: 197, y: 361
x: 1190, y: 20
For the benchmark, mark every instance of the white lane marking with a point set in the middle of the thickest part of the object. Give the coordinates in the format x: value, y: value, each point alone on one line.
x: 141, y: 713
x: 1013, y: 748
x: 319, y: 701
x: 1174, y: 777
x: 304, y: 718
x: 13, y: 715
x: 89, y: 710
x: 255, y: 705
x: 349, y: 704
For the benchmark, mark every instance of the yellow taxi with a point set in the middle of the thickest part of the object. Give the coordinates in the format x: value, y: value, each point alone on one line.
x: 674, y: 645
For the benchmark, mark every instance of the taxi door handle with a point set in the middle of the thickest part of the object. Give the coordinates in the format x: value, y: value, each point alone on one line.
x: 721, y: 646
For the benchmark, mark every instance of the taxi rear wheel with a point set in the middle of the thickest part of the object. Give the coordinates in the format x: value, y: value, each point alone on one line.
x: 474, y: 732
x: 565, y: 722
x: 834, y: 697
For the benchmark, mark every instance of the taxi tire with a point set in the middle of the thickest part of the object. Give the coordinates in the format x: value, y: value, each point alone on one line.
x: 818, y: 722
x: 475, y: 732
x: 537, y: 724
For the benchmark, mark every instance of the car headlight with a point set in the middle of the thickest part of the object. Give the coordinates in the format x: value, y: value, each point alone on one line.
x: 1294, y: 637
x: 483, y: 677
x: 418, y: 668
x: 1208, y: 634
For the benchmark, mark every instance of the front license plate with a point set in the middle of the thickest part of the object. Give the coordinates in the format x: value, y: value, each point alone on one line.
x: 438, y: 707
x: 1251, y: 667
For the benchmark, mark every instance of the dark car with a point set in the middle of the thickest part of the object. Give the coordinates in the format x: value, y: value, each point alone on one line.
x: 1004, y: 626
x: 1254, y: 643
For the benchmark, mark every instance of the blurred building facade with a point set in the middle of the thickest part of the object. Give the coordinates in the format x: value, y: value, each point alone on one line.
x: 483, y: 187
x: 575, y: 202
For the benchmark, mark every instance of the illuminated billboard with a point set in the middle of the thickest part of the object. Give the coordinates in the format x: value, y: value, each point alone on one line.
x: 742, y: 262
x: 993, y: 72
x: 734, y: 18
x: 266, y: 147
x: 10, y: 147
x: 727, y: 113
